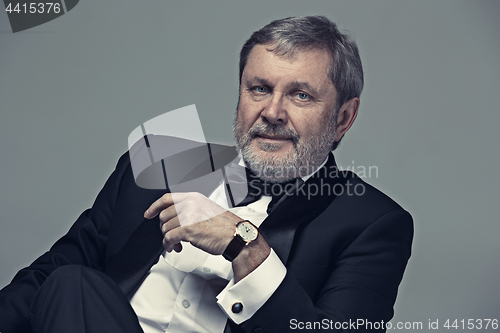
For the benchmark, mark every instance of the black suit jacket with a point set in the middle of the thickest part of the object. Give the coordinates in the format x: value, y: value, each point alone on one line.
x: 345, y: 253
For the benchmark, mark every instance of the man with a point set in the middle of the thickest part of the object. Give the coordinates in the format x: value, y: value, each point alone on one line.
x: 326, y: 252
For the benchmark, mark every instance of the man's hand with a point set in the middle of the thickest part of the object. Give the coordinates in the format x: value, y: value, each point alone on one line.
x: 192, y: 217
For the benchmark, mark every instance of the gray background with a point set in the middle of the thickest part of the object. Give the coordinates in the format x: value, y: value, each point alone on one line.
x: 73, y: 89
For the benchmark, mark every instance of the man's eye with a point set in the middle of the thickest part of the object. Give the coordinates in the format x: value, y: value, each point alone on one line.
x: 303, y: 96
x: 260, y: 89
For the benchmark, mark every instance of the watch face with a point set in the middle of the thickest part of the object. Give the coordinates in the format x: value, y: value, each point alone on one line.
x: 247, y: 231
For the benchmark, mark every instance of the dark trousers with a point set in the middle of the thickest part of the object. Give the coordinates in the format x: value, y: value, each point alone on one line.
x: 79, y: 299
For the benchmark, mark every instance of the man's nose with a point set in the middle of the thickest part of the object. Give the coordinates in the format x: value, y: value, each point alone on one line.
x: 274, y: 112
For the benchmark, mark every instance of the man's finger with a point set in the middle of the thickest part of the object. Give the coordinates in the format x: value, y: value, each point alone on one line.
x: 173, y: 237
x: 166, y: 227
x: 170, y: 225
x: 166, y: 200
x: 167, y: 214
x: 177, y: 247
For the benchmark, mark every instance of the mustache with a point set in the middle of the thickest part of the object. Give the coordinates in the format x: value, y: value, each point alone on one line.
x: 274, y: 130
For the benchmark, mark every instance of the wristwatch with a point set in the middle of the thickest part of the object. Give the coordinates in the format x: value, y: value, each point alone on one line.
x: 245, y: 233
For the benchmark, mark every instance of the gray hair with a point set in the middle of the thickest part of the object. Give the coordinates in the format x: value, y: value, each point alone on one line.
x: 293, y: 34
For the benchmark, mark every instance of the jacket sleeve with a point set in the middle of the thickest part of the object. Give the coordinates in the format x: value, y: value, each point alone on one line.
x: 84, y: 244
x: 358, y: 291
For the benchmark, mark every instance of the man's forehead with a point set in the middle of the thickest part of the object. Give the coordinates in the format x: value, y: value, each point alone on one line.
x: 305, y: 70
x: 290, y: 56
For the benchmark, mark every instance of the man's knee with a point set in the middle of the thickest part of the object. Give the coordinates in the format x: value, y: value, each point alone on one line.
x: 74, y: 279
x: 73, y: 297
x: 65, y: 274
x: 71, y: 283
x: 69, y: 275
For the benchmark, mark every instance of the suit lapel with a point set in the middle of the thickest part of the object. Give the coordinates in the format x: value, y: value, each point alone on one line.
x: 301, y: 208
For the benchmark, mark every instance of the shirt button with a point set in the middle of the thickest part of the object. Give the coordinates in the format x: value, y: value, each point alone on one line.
x: 251, y: 210
x: 186, y: 304
x: 206, y: 270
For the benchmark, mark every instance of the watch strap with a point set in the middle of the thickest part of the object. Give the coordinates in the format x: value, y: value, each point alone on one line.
x: 234, y: 248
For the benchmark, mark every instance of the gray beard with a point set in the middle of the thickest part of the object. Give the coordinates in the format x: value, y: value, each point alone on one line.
x: 304, y: 159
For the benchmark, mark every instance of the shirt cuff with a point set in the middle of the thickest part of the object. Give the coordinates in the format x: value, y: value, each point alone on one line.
x: 253, y: 290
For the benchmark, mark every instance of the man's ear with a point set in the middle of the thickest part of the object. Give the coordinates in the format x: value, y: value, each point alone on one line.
x: 346, y: 116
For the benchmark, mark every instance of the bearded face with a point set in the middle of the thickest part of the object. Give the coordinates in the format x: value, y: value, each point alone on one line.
x: 303, y: 159
x: 286, y: 116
